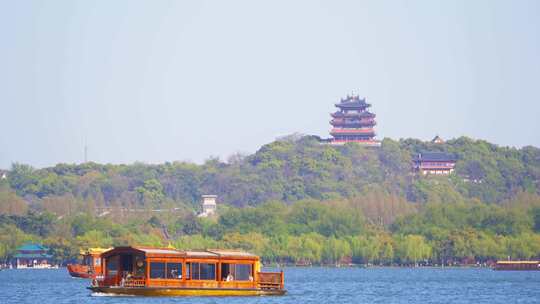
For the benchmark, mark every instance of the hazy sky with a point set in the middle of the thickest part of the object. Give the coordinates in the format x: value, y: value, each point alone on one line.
x: 157, y: 81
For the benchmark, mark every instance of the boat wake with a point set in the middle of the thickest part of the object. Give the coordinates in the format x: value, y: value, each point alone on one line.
x: 104, y: 294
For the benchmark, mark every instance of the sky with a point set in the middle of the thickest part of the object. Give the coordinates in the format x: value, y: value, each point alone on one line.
x: 157, y: 81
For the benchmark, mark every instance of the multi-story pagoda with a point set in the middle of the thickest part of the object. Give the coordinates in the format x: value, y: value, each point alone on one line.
x: 353, y: 122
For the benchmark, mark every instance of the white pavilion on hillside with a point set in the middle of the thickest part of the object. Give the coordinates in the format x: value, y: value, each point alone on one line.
x: 209, y: 205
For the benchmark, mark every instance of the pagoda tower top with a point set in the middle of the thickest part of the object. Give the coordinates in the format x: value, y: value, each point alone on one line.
x: 353, y: 101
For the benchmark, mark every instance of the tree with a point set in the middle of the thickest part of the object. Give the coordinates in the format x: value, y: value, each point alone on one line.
x: 94, y: 238
x: 536, y: 219
x: 11, y: 203
x: 365, y: 249
x: 413, y: 248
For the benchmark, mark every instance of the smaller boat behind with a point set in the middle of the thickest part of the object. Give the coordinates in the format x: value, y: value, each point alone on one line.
x: 90, y: 265
x: 517, y: 265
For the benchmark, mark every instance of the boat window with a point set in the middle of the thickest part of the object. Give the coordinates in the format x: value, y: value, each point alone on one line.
x: 174, y: 271
x: 203, y: 271
x: 157, y: 270
x: 140, y: 266
x: 127, y: 262
x: 243, y: 272
x: 195, y: 271
x: 112, y: 265
x: 208, y: 271
x: 236, y: 272
x: 227, y: 272
x: 97, y: 261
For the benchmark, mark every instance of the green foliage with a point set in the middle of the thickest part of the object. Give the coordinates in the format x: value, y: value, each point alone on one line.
x: 94, y: 238
x: 412, y: 248
x: 536, y: 219
x: 292, y: 169
x: 293, y: 201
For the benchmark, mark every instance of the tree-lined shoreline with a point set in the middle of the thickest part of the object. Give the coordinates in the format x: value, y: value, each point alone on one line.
x: 294, y: 201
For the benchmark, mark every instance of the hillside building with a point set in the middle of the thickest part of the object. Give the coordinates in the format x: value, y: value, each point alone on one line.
x: 439, y: 163
x: 209, y: 205
x: 33, y: 256
x: 437, y: 140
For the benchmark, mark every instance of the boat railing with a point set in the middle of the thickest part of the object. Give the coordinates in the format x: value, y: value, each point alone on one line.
x: 134, y: 282
x: 98, y: 281
x: 102, y: 281
x: 270, y: 280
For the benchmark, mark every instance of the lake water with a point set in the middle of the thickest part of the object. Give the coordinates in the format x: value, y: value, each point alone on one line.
x: 308, y: 285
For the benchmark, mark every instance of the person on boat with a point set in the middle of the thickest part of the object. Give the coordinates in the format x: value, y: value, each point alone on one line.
x: 229, y: 277
x: 127, y: 276
x: 175, y: 274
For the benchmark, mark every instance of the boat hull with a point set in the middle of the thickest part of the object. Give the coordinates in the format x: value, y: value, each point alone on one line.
x: 517, y: 265
x: 179, y: 292
x: 79, y: 271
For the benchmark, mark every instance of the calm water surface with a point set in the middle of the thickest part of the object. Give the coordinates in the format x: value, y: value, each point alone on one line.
x: 307, y: 285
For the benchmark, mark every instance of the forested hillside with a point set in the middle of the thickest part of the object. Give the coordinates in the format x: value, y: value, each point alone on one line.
x: 294, y: 200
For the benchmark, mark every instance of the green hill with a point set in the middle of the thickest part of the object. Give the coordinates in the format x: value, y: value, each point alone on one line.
x: 293, y: 200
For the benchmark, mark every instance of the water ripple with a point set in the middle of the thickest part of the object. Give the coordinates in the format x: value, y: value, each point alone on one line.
x: 306, y: 285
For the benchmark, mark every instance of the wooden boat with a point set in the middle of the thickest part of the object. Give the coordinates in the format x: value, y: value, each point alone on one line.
x: 90, y: 265
x: 517, y: 265
x: 145, y: 271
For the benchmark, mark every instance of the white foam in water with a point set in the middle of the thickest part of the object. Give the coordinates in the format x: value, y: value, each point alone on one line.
x: 104, y: 294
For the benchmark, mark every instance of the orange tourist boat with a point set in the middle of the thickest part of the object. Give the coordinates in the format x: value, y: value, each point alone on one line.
x: 517, y: 265
x: 90, y: 265
x: 145, y: 271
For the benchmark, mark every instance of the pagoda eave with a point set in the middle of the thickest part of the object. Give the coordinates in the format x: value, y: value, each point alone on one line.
x: 353, y: 125
x: 352, y: 131
x: 353, y: 106
x: 353, y: 115
x: 369, y: 143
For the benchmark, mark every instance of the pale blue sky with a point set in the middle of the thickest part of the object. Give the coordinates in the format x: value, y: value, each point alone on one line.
x: 157, y: 81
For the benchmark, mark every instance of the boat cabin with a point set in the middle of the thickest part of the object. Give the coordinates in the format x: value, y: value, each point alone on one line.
x: 171, y: 268
x: 90, y: 264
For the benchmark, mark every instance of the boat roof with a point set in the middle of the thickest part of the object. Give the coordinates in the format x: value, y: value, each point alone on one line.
x: 518, y: 262
x: 200, y: 254
x: 173, y: 252
x: 232, y: 253
x: 94, y: 251
x: 161, y: 251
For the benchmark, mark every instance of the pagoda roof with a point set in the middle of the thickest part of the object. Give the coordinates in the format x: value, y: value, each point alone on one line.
x: 32, y: 256
x: 32, y: 247
x: 434, y: 156
x: 361, y: 114
x: 340, y: 122
x: 437, y: 139
x: 353, y: 102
